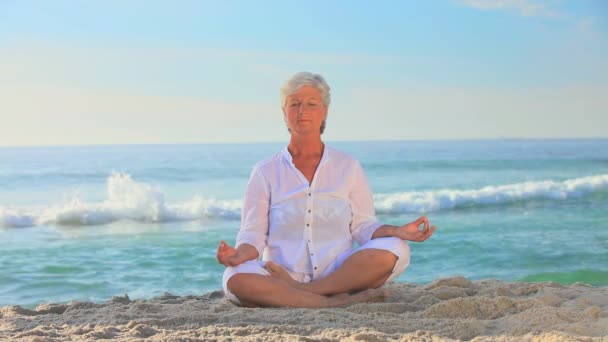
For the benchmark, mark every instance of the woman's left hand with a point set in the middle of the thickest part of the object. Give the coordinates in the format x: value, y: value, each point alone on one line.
x: 412, y: 232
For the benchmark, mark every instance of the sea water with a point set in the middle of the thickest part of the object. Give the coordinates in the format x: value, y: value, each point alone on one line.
x: 90, y: 222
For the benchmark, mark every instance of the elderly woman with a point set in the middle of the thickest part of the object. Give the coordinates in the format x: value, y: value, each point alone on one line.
x: 304, y: 207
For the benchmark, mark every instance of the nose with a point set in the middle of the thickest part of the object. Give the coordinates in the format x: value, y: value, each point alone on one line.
x: 302, y: 109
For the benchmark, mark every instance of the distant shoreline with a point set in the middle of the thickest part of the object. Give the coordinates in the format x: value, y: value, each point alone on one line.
x: 155, y: 144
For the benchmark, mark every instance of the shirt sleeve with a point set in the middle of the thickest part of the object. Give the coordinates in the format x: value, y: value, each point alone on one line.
x: 364, y: 222
x: 254, y: 215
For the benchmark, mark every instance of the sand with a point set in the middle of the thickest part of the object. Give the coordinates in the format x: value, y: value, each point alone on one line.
x: 445, y: 310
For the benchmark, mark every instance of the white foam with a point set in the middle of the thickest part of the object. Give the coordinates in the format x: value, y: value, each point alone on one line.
x: 128, y: 199
x: 13, y: 218
x: 426, y: 201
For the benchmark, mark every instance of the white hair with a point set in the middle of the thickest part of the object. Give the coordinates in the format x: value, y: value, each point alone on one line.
x: 304, y: 78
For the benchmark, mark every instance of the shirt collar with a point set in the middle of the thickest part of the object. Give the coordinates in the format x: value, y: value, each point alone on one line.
x: 325, y: 157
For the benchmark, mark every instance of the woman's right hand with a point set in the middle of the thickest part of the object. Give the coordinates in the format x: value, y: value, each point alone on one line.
x: 227, y: 255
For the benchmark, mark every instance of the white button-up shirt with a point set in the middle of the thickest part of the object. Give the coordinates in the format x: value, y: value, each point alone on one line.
x: 304, y: 227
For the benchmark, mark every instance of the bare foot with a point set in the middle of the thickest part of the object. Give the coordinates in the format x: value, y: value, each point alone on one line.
x: 343, y: 299
x: 339, y: 295
x: 280, y: 272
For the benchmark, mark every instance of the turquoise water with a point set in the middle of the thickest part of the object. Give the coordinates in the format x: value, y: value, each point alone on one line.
x: 87, y: 223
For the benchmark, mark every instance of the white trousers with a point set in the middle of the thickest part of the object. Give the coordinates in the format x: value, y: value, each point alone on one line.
x: 392, y: 244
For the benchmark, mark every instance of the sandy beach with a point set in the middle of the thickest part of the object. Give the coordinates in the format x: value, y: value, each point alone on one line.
x: 444, y: 310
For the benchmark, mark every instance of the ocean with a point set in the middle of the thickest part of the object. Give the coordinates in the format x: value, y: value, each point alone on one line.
x: 89, y: 222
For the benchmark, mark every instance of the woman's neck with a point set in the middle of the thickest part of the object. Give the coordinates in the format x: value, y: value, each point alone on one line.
x: 306, y: 146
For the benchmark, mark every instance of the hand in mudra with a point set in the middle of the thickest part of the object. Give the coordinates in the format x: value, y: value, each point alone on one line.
x: 226, y: 254
x: 412, y: 232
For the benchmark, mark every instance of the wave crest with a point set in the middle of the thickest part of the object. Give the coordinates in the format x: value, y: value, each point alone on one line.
x: 426, y: 201
x: 128, y: 199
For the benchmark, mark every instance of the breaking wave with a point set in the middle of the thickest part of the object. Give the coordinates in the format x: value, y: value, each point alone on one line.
x: 128, y: 199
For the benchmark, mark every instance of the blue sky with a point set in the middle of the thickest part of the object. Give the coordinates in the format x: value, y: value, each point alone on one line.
x: 116, y: 72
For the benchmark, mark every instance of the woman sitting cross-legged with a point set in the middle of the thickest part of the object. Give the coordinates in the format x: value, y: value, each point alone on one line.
x: 304, y: 208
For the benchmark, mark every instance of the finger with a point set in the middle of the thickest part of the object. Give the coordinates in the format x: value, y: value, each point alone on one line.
x: 421, y: 235
x: 424, y: 228
x: 221, y: 250
x: 221, y: 260
x: 416, y: 222
x: 430, y: 232
x: 420, y: 220
x: 424, y: 237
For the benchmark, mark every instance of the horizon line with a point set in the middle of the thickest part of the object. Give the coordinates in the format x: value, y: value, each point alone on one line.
x: 282, y: 141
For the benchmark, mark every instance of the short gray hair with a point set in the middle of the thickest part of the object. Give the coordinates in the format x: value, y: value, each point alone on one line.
x: 305, y: 78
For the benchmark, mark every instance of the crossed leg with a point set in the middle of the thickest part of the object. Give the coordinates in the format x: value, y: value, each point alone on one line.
x: 258, y: 290
x: 365, y: 271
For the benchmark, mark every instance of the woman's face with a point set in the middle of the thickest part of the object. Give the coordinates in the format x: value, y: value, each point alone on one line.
x: 304, y: 111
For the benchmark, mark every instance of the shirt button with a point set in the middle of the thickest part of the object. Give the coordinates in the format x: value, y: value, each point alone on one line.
x: 307, y: 225
x: 315, y: 268
x: 309, y: 211
x: 309, y: 194
x: 312, y: 253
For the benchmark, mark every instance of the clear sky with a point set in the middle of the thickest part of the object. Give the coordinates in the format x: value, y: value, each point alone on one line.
x: 120, y: 72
